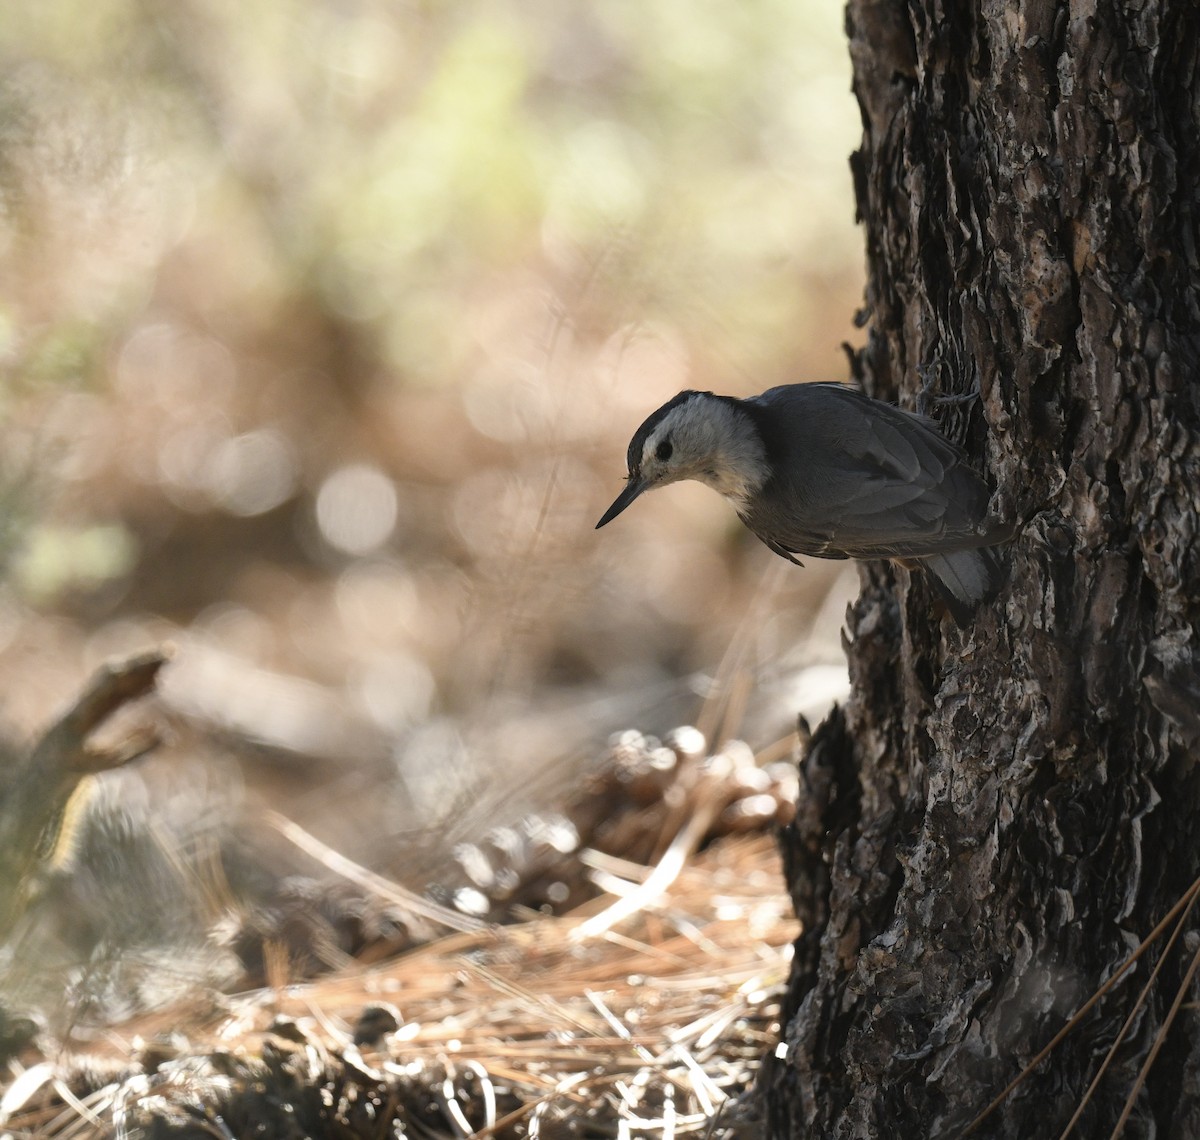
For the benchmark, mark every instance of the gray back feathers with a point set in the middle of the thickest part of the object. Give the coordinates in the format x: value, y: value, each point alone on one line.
x: 857, y: 478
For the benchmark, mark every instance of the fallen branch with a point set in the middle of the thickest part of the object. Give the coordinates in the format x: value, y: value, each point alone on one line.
x: 40, y: 785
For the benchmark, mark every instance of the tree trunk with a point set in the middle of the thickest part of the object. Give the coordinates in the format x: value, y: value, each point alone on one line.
x: 1002, y: 813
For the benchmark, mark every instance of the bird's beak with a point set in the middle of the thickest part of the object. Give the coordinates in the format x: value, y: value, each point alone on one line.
x: 633, y: 488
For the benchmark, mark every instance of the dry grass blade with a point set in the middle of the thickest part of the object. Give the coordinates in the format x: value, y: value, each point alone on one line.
x: 23, y: 1088
x: 723, y: 708
x: 1137, y: 1005
x: 666, y: 871
x: 536, y: 1004
x: 489, y: 1093
x: 81, y: 1110
x: 369, y: 880
x: 452, y: 1109
x: 706, y: 1092
x: 1120, y: 972
x: 540, y: 1109
x: 618, y: 1027
x: 1159, y: 1038
x: 648, y: 1033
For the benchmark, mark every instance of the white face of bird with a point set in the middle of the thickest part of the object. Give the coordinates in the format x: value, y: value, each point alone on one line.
x: 670, y: 452
x: 709, y: 440
x: 704, y: 438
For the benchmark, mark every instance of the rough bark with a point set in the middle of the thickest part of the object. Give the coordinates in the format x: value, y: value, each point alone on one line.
x: 1001, y: 813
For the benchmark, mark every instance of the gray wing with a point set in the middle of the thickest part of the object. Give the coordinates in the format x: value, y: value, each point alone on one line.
x: 861, y: 479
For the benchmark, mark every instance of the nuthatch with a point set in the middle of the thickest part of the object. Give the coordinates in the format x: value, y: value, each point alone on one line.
x: 822, y: 469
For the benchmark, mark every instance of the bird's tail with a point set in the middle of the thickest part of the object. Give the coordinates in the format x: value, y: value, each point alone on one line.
x: 965, y: 579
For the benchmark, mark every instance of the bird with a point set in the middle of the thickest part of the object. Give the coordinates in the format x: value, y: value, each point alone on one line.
x: 822, y: 469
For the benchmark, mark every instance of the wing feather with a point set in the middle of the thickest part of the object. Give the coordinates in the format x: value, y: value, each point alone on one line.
x: 859, y: 478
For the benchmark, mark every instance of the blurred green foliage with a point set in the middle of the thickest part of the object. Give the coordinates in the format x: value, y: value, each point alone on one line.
x: 54, y: 559
x: 460, y: 247
x: 392, y: 155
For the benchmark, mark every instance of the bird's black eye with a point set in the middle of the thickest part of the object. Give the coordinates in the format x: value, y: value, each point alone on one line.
x: 663, y: 451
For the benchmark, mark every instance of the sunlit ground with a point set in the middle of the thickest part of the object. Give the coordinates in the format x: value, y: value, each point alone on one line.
x: 324, y: 329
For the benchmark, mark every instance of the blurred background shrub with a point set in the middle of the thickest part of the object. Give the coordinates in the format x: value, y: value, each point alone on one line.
x: 324, y: 326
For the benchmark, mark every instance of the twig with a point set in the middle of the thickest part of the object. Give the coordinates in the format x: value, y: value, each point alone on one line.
x: 41, y: 785
x: 114, y: 684
x: 1118, y: 974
